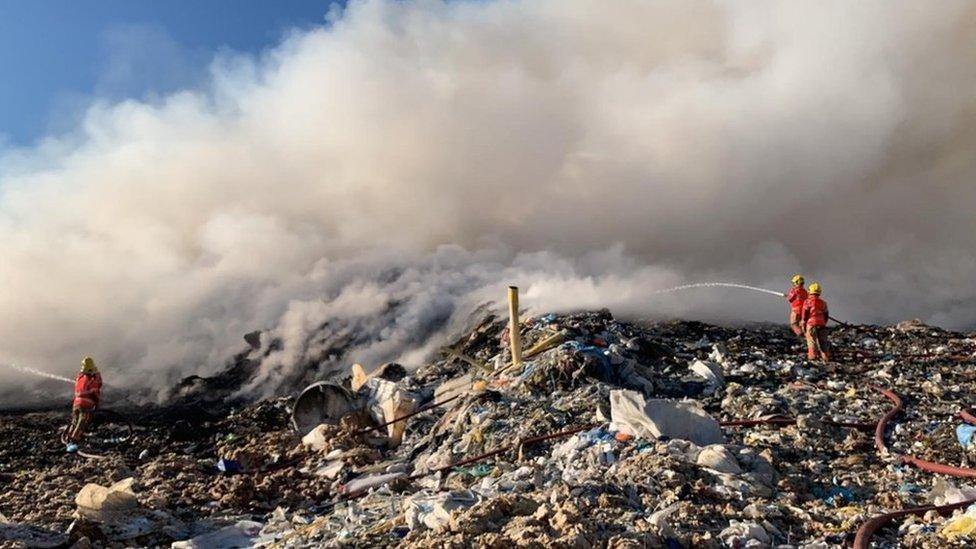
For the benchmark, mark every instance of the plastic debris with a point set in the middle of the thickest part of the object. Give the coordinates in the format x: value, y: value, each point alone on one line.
x: 710, y: 371
x: 433, y: 510
x: 657, y: 418
x: 744, y: 534
x: 945, y: 493
x: 964, y: 434
x: 961, y: 525
x: 363, y: 484
x: 241, y: 534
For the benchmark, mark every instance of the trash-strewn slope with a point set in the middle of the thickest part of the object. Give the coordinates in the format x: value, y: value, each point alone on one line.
x: 808, y: 478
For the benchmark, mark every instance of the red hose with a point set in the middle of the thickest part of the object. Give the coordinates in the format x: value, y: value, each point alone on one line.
x: 783, y: 420
x: 776, y: 420
x: 862, y: 540
x: 883, y: 422
x: 939, y: 468
x: 966, y: 416
x: 850, y: 425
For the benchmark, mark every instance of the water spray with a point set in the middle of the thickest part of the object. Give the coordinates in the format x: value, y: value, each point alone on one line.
x: 718, y: 285
x: 33, y: 371
x: 732, y: 285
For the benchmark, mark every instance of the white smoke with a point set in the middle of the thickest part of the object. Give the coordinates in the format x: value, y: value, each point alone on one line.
x: 427, y: 154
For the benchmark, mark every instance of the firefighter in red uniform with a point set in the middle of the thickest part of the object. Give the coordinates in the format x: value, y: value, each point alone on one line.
x: 814, y: 317
x: 797, y: 297
x: 88, y: 389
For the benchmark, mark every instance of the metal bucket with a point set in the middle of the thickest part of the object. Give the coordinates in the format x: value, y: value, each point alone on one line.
x: 322, y: 402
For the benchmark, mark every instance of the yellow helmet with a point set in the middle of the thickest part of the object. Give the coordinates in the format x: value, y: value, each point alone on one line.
x: 88, y: 365
x: 797, y: 280
x: 815, y: 288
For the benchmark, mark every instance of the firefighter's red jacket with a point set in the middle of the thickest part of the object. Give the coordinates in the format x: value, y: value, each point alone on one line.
x: 88, y: 389
x: 815, y: 311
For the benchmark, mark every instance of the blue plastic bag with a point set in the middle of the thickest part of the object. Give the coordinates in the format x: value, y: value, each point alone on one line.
x: 964, y: 434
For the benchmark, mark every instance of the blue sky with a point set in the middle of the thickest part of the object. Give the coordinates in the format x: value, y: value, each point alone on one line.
x: 56, y: 55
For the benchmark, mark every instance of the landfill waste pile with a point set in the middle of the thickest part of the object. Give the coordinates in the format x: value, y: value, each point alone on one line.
x: 606, y: 434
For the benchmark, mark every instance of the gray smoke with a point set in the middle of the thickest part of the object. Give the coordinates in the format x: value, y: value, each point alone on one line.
x: 373, y: 180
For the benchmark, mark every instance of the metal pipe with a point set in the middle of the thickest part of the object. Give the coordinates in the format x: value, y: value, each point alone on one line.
x: 514, y: 327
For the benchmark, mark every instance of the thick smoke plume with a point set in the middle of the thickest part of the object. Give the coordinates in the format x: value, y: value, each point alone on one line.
x: 372, y: 181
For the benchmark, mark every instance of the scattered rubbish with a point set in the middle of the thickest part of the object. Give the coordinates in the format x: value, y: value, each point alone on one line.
x: 545, y: 344
x: 659, y: 520
x: 609, y: 434
x: 479, y: 470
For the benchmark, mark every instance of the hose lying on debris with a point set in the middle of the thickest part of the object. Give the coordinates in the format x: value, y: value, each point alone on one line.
x: 930, y: 466
x: 862, y: 539
x: 968, y: 417
x: 879, y: 431
x: 784, y: 420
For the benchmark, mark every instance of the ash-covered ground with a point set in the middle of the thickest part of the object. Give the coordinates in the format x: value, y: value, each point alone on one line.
x: 811, y: 482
